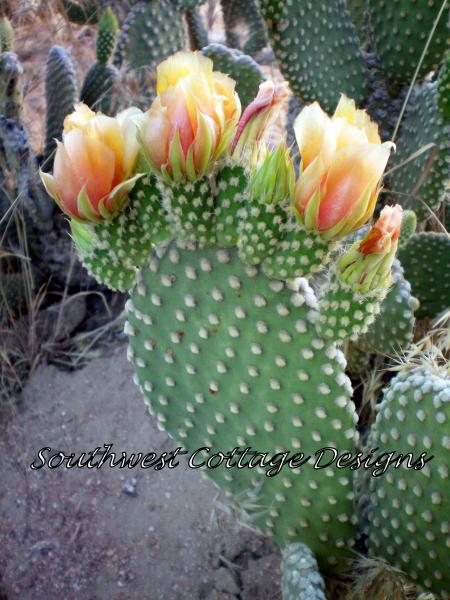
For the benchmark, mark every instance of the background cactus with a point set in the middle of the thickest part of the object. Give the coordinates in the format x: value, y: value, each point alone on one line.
x: 60, y: 94
x: 97, y: 90
x: 242, y: 68
x: 425, y: 258
x: 407, y: 521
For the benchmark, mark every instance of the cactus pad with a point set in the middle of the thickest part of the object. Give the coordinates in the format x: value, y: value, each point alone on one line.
x: 425, y: 259
x: 423, y: 125
x: 392, y: 330
x: 401, y: 29
x: 408, y: 519
x: 98, y: 88
x: 240, y: 67
x: 317, y: 49
x: 228, y: 358
x: 229, y: 194
x: 151, y: 32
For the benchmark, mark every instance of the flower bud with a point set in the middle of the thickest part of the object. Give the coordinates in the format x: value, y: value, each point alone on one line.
x: 93, y: 165
x: 273, y: 179
x: 366, y: 266
x: 258, y: 117
x: 342, y: 162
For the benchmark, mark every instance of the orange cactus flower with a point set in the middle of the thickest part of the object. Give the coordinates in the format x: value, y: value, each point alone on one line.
x: 342, y: 162
x: 93, y: 165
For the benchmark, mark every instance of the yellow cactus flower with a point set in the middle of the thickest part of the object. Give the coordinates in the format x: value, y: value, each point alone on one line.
x: 191, y: 122
x: 342, y: 162
x: 93, y: 165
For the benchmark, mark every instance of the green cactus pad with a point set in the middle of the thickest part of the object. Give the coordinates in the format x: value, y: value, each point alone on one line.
x: 190, y: 209
x: 423, y: 125
x: 151, y: 32
x: 392, y: 331
x: 401, y: 29
x: 60, y: 94
x: 426, y: 259
x: 98, y: 88
x: 226, y: 358
x: 240, y: 67
x: 229, y: 193
x: 345, y: 315
x: 113, y: 251
x: 407, y: 513
x: 198, y: 35
x: 300, y: 578
x: 300, y: 253
x: 317, y: 49
x: 106, y: 36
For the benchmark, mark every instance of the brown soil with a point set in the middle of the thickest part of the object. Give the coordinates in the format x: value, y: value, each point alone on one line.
x: 75, y: 534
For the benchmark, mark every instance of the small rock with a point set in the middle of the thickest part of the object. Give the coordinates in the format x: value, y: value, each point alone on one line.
x: 224, y: 581
x: 129, y: 487
x: 51, y: 326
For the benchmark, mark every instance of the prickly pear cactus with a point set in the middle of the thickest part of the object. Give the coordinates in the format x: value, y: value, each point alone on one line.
x: 242, y: 68
x: 425, y: 259
x: 407, y: 516
x: 400, y: 30
x: 227, y: 357
x: 422, y: 182
x: 151, y: 32
x: 321, y: 35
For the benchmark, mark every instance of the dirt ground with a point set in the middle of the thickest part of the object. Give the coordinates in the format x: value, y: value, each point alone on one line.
x: 100, y: 534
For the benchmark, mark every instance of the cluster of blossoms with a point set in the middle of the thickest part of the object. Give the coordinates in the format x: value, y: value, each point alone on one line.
x: 195, y: 122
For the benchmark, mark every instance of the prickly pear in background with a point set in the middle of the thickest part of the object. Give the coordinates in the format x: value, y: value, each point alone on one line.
x: 60, y: 94
x: 240, y: 67
x: 426, y: 258
x: 98, y: 85
x: 198, y: 35
x: 406, y: 512
x: 423, y: 181
x: 320, y: 35
x: 401, y: 28
x: 10, y: 88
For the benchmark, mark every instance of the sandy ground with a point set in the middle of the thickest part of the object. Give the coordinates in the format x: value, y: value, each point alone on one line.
x: 76, y: 533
